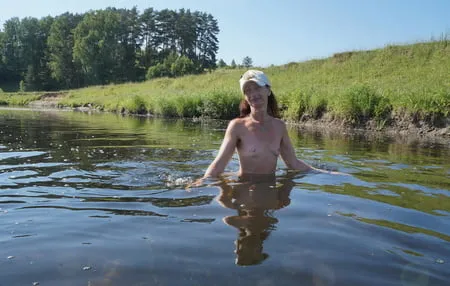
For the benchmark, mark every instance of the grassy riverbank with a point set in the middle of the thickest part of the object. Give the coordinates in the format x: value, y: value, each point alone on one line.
x: 383, y: 85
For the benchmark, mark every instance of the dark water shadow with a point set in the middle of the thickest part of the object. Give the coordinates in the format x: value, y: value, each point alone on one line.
x: 255, y: 199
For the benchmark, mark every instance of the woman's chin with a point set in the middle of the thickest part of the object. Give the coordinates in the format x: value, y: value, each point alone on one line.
x: 258, y: 105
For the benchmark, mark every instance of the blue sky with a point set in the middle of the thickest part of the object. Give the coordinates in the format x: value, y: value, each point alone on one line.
x: 281, y: 31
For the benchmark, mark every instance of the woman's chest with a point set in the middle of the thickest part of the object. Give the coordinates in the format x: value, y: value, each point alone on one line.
x: 259, y: 143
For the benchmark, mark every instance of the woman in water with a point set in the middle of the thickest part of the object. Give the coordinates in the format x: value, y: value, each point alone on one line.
x: 258, y: 134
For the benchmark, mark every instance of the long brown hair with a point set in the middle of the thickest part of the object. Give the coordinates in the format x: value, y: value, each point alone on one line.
x: 272, y: 107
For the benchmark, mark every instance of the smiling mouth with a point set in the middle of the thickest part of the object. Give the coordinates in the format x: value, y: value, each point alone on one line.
x: 255, y: 99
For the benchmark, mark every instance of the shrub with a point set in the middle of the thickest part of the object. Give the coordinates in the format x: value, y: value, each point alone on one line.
x: 360, y: 103
x: 135, y: 104
x: 299, y: 103
x: 164, y: 106
x: 188, y: 105
x: 220, y: 105
x: 182, y: 66
x: 158, y: 70
x: 296, y: 103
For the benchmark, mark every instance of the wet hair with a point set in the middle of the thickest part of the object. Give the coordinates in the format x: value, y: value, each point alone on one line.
x: 272, y: 107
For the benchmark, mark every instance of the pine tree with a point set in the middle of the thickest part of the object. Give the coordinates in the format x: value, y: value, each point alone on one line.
x: 221, y: 64
x: 233, y: 64
x: 247, y: 62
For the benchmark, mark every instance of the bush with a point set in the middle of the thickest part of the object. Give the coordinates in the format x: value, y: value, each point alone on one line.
x: 182, y: 66
x: 220, y: 105
x: 296, y: 102
x: 188, y: 105
x: 158, y: 70
x: 135, y: 104
x: 301, y: 103
x: 164, y: 106
x: 360, y: 103
x: 173, y: 66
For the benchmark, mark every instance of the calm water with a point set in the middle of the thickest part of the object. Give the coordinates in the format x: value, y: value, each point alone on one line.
x: 103, y: 200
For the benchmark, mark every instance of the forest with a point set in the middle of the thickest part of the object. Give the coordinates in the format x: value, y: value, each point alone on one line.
x: 105, y: 46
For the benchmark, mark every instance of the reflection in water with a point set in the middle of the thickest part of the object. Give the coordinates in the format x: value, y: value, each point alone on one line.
x: 255, y: 200
x: 107, y: 192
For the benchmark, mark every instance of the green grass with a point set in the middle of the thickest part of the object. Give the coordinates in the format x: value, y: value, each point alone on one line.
x: 412, y: 80
x: 16, y: 99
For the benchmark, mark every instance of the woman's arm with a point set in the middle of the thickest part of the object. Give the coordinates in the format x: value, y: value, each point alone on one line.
x: 287, y: 153
x: 225, y: 152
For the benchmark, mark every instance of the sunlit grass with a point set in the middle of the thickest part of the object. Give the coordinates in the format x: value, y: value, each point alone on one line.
x: 18, y: 99
x: 353, y: 86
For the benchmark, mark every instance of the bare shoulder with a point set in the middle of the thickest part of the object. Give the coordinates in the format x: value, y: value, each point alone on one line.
x: 280, y: 124
x: 235, y: 125
x: 237, y: 120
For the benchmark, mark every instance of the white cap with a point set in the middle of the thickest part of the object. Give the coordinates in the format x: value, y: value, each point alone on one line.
x: 256, y: 76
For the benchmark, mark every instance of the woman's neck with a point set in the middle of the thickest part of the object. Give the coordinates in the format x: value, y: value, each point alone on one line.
x: 259, y: 116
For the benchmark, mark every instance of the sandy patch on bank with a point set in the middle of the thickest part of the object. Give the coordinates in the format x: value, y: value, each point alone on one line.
x: 47, y: 100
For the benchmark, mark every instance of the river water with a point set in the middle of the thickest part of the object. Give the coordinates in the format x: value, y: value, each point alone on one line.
x: 102, y: 199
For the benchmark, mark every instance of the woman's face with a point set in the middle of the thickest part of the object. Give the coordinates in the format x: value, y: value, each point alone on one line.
x: 256, y: 96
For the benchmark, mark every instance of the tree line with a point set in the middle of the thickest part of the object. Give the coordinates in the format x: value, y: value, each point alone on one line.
x: 105, y: 46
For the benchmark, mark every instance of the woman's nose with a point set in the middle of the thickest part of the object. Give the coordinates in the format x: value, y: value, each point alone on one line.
x: 253, y: 93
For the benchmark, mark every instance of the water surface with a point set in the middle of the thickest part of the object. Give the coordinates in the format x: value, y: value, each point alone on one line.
x: 101, y: 199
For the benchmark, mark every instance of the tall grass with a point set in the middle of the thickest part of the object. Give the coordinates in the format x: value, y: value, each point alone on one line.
x: 360, y: 103
x: 354, y: 86
x: 16, y: 99
x: 211, y: 95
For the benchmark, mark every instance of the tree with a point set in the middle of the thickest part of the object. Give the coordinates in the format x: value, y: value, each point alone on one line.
x: 46, y: 82
x: 182, y: 66
x: 233, y: 64
x: 247, y: 62
x: 221, y: 64
x: 12, y: 51
x: 30, y: 52
x: 185, y: 33
x: 148, y: 52
x: 130, y: 40
x: 158, y: 70
x: 207, y: 43
x: 3, y: 70
x: 97, y: 46
x: 31, y: 79
x: 166, y: 41
x: 60, y: 43
x: 34, y: 53
x: 25, y: 52
x: 106, y: 46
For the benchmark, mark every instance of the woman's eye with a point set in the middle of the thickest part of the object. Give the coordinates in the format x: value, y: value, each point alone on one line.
x: 250, y: 89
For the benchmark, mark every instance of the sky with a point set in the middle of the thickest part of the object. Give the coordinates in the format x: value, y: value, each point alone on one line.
x: 276, y: 32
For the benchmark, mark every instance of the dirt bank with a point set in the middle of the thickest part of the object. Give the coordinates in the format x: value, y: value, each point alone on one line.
x: 47, y: 100
x: 400, y: 128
